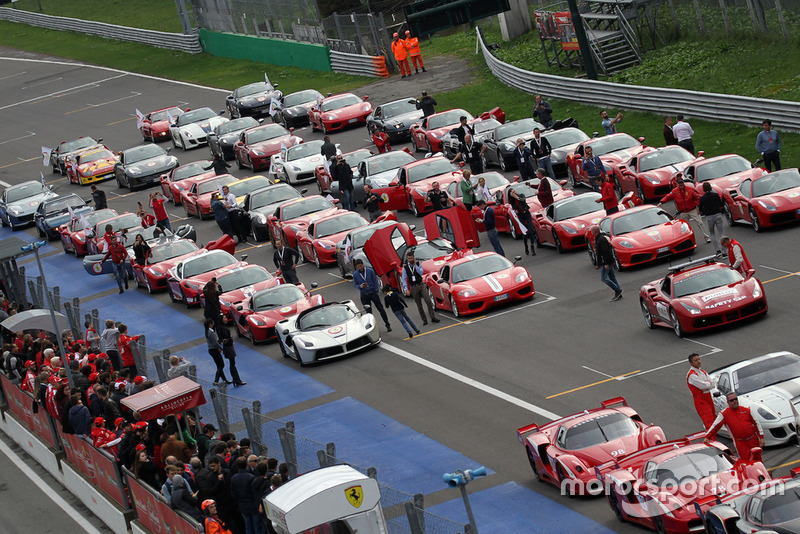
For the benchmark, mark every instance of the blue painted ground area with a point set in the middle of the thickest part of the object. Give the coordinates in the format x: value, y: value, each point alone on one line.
x: 514, y: 508
x: 406, y: 460
x: 68, y: 273
x: 28, y: 238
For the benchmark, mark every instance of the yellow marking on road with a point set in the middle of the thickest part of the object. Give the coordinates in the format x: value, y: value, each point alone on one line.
x: 21, y: 161
x: 119, y: 121
x: 446, y: 327
x: 780, y: 277
x: 593, y: 384
x: 787, y: 464
x: 58, y: 180
x: 329, y: 285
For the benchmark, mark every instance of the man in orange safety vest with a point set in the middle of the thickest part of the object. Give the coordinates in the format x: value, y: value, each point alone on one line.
x: 401, y: 55
x: 412, y: 45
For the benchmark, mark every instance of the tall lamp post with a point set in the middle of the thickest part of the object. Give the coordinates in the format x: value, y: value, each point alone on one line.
x: 34, y: 247
x: 460, y: 479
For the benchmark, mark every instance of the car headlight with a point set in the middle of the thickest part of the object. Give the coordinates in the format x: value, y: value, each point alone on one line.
x: 626, y: 244
x: 258, y: 322
x: 294, y: 229
x: 306, y: 343
x: 296, y: 168
x: 134, y: 170
x: 435, y: 135
x: 467, y: 293
x: 684, y: 228
x: 192, y: 286
x: 261, y: 219
x: 420, y: 192
x: 15, y: 210
x: 652, y: 180
x: 153, y: 272
x: 329, y: 117
x: 757, y: 291
x: 691, y: 309
x: 766, y: 413
x: 187, y: 133
x: 259, y: 153
x: 767, y: 206
x: 326, y: 246
x: 522, y: 277
x: 173, y: 160
x: 569, y: 229
x: 225, y: 303
x: 508, y: 147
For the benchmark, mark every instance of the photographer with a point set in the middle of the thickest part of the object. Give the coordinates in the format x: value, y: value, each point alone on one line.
x: 157, y: 200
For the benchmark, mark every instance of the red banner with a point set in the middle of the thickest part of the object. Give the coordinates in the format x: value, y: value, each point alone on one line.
x: 154, y: 513
x: 21, y: 404
x: 563, y: 20
x: 99, y: 468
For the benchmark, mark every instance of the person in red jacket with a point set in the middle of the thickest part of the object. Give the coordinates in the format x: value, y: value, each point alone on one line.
x: 412, y: 45
x: 30, y: 376
x: 118, y: 255
x: 736, y: 255
x: 102, y: 438
x: 381, y: 140
x: 125, y: 349
x: 744, y: 430
x: 608, y: 196
x: 157, y: 200
x: 686, y: 201
x: 401, y: 55
x: 700, y: 385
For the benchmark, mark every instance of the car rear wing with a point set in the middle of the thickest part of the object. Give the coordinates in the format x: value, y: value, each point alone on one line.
x: 525, y: 431
x: 616, y: 401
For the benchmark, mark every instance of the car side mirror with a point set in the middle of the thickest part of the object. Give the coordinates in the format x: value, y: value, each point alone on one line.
x: 365, y: 98
x: 562, y: 183
x: 222, y: 112
x: 595, y: 134
x: 412, y: 227
x: 314, y: 285
x: 303, y: 191
x: 517, y: 258
x: 750, y: 273
x: 275, y: 85
x: 700, y: 153
x: 229, y: 97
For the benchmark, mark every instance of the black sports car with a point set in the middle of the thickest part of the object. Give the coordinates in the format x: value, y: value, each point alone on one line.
x: 252, y: 100
x: 501, y: 142
x: 143, y: 165
x: 294, y: 108
x: 54, y: 212
x: 395, y: 118
x: 261, y: 203
x: 224, y: 136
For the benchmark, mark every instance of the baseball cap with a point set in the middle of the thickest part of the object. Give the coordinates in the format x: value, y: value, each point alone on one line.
x: 93, y: 377
x: 140, y: 447
x: 99, y: 421
x: 139, y: 379
x: 141, y: 425
x: 121, y: 385
x: 29, y: 363
x: 118, y: 421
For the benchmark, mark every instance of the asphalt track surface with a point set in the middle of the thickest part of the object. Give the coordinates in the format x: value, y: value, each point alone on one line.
x: 467, y: 383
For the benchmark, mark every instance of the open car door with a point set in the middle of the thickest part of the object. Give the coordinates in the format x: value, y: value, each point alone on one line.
x: 495, y: 113
x: 223, y: 243
x: 394, y: 196
x: 386, y: 248
x: 454, y: 224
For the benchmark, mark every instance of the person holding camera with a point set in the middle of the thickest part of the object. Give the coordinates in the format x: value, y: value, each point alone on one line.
x: 157, y: 200
x: 610, y: 125
x: 543, y: 112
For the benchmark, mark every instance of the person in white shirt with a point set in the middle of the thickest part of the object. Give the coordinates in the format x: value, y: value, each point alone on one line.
x: 229, y: 199
x: 683, y: 133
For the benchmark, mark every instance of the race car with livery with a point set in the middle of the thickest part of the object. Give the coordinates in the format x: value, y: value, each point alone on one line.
x: 191, y: 129
x: 769, y: 200
x: 90, y: 165
x: 256, y: 316
x: 338, y: 112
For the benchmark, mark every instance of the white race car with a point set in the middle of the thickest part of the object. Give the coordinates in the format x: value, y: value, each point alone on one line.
x: 770, y: 386
x: 330, y: 330
x: 191, y: 129
x: 301, y: 161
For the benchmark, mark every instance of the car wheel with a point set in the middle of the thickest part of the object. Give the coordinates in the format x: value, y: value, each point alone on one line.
x: 147, y: 285
x: 341, y: 269
x: 532, y: 461
x: 561, y: 477
x: 513, y: 230
x: 428, y: 144
x: 502, y: 161
x: 183, y: 298
x: 676, y: 324
x: 414, y: 208
x: 648, y: 318
x: 297, y: 355
x: 613, y: 502
x: 484, y: 162
x: 172, y: 295
x: 640, y: 190
x: 617, y: 264
x: 250, y: 334
x: 239, y: 163
x: 316, y: 260
x: 454, y: 306
x: 756, y: 223
x: 324, y: 132
x: 726, y: 211
x: 570, y: 178
x: 41, y: 234
x: 283, y: 348
x: 557, y: 242
x: 62, y: 169
x: 590, y: 250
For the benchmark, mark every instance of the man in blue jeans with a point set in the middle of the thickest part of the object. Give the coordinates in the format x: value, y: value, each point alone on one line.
x: 366, y: 281
x: 491, y: 228
x: 604, y: 260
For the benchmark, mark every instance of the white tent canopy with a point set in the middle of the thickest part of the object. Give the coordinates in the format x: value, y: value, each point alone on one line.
x: 35, y: 320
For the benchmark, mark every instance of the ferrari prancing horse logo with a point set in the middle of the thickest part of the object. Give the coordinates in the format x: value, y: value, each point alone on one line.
x: 355, y: 496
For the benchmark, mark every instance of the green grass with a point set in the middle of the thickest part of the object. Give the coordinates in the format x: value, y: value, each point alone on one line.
x: 159, y: 15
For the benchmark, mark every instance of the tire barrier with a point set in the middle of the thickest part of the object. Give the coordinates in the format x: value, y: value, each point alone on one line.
x: 359, y: 64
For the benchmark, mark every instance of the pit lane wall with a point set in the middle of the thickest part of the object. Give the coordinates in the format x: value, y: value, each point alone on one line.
x: 785, y: 115
x: 273, y: 51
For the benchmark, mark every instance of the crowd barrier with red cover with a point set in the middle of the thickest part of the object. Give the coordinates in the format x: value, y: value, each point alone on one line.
x: 20, y: 403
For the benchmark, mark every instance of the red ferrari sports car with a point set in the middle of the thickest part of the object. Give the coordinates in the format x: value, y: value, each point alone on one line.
x: 239, y: 284
x: 769, y: 200
x: 612, y: 149
x: 317, y: 242
x: 73, y: 236
x: 643, y: 234
x: 181, y: 178
x: 722, y: 172
x: 661, y: 487
x: 649, y: 173
x: 257, y: 316
x: 409, y: 188
x: 701, y: 294
x: 570, y: 451
x: 186, y: 278
x: 256, y: 145
x: 565, y: 221
x: 155, y: 125
x: 338, y: 112
x: 91, y: 165
x: 295, y: 215
x: 197, y: 199
x: 427, y: 134
x: 162, y: 257
x: 95, y: 244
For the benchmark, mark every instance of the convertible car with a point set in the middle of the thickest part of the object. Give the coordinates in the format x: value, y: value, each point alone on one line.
x: 769, y: 200
x: 257, y: 315
x: 18, y: 203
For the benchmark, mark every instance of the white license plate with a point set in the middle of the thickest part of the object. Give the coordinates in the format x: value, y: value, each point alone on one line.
x: 663, y: 249
x: 504, y: 296
x: 353, y: 120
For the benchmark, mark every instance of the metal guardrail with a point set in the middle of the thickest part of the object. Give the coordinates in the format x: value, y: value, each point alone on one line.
x: 785, y: 114
x: 358, y: 64
x: 174, y: 41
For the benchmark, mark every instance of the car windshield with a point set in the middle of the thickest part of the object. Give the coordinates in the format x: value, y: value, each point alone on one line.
x: 704, y: 281
x: 206, y: 263
x: 360, y: 237
x: 516, y: 128
x: 485, y: 125
x: 325, y: 316
x: 354, y: 158
x: 170, y: 250
x: 60, y: 205
x: 209, y: 186
x: 576, y: 207
x: 166, y: 114
x: 312, y: 148
x: 339, y: 224
x: 613, y: 143
x: 95, y: 156
x: 265, y: 133
x: 766, y: 372
x: 639, y: 220
x: 189, y: 170
x: 469, y: 270
x: 75, y: 144
x: 29, y: 189
x: 282, y: 295
x: 567, y: 136
x: 299, y: 98
x: 305, y: 207
x: 688, y: 467
x: 781, y: 506
x: 435, y: 248
x: 92, y: 217
x: 430, y: 168
x: 388, y: 161
x: 526, y: 189
x: 242, y: 187
x: 776, y: 182
x: 147, y: 234
x: 236, y: 125
x: 493, y: 179
x: 721, y: 167
x: 243, y: 278
x: 142, y: 153
x: 197, y: 115
x: 128, y: 220
x: 273, y: 195
x: 253, y: 88
x: 340, y: 102
x: 662, y: 158
x: 447, y: 118
x: 599, y: 430
x: 399, y: 108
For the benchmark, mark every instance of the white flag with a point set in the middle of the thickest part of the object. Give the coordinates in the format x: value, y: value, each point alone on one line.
x: 221, y: 194
x: 139, y: 118
x: 329, y: 198
x: 284, y: 151
x: 85, y: 224
x: 327, y: 165
x: 170, y: 118
x: 271, y: 169
x: 46, y: 156
x: 348, y: 245
x: 319, y: 101
x: 42, y: 175
x: 266, y: 79
x: 522, y: 227
x: 274, y: 106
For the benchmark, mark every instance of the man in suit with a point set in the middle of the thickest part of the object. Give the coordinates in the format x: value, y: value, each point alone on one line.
x: 285, y: 260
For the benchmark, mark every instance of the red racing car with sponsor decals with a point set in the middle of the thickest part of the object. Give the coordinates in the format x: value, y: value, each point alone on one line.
x: 91, y: 165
